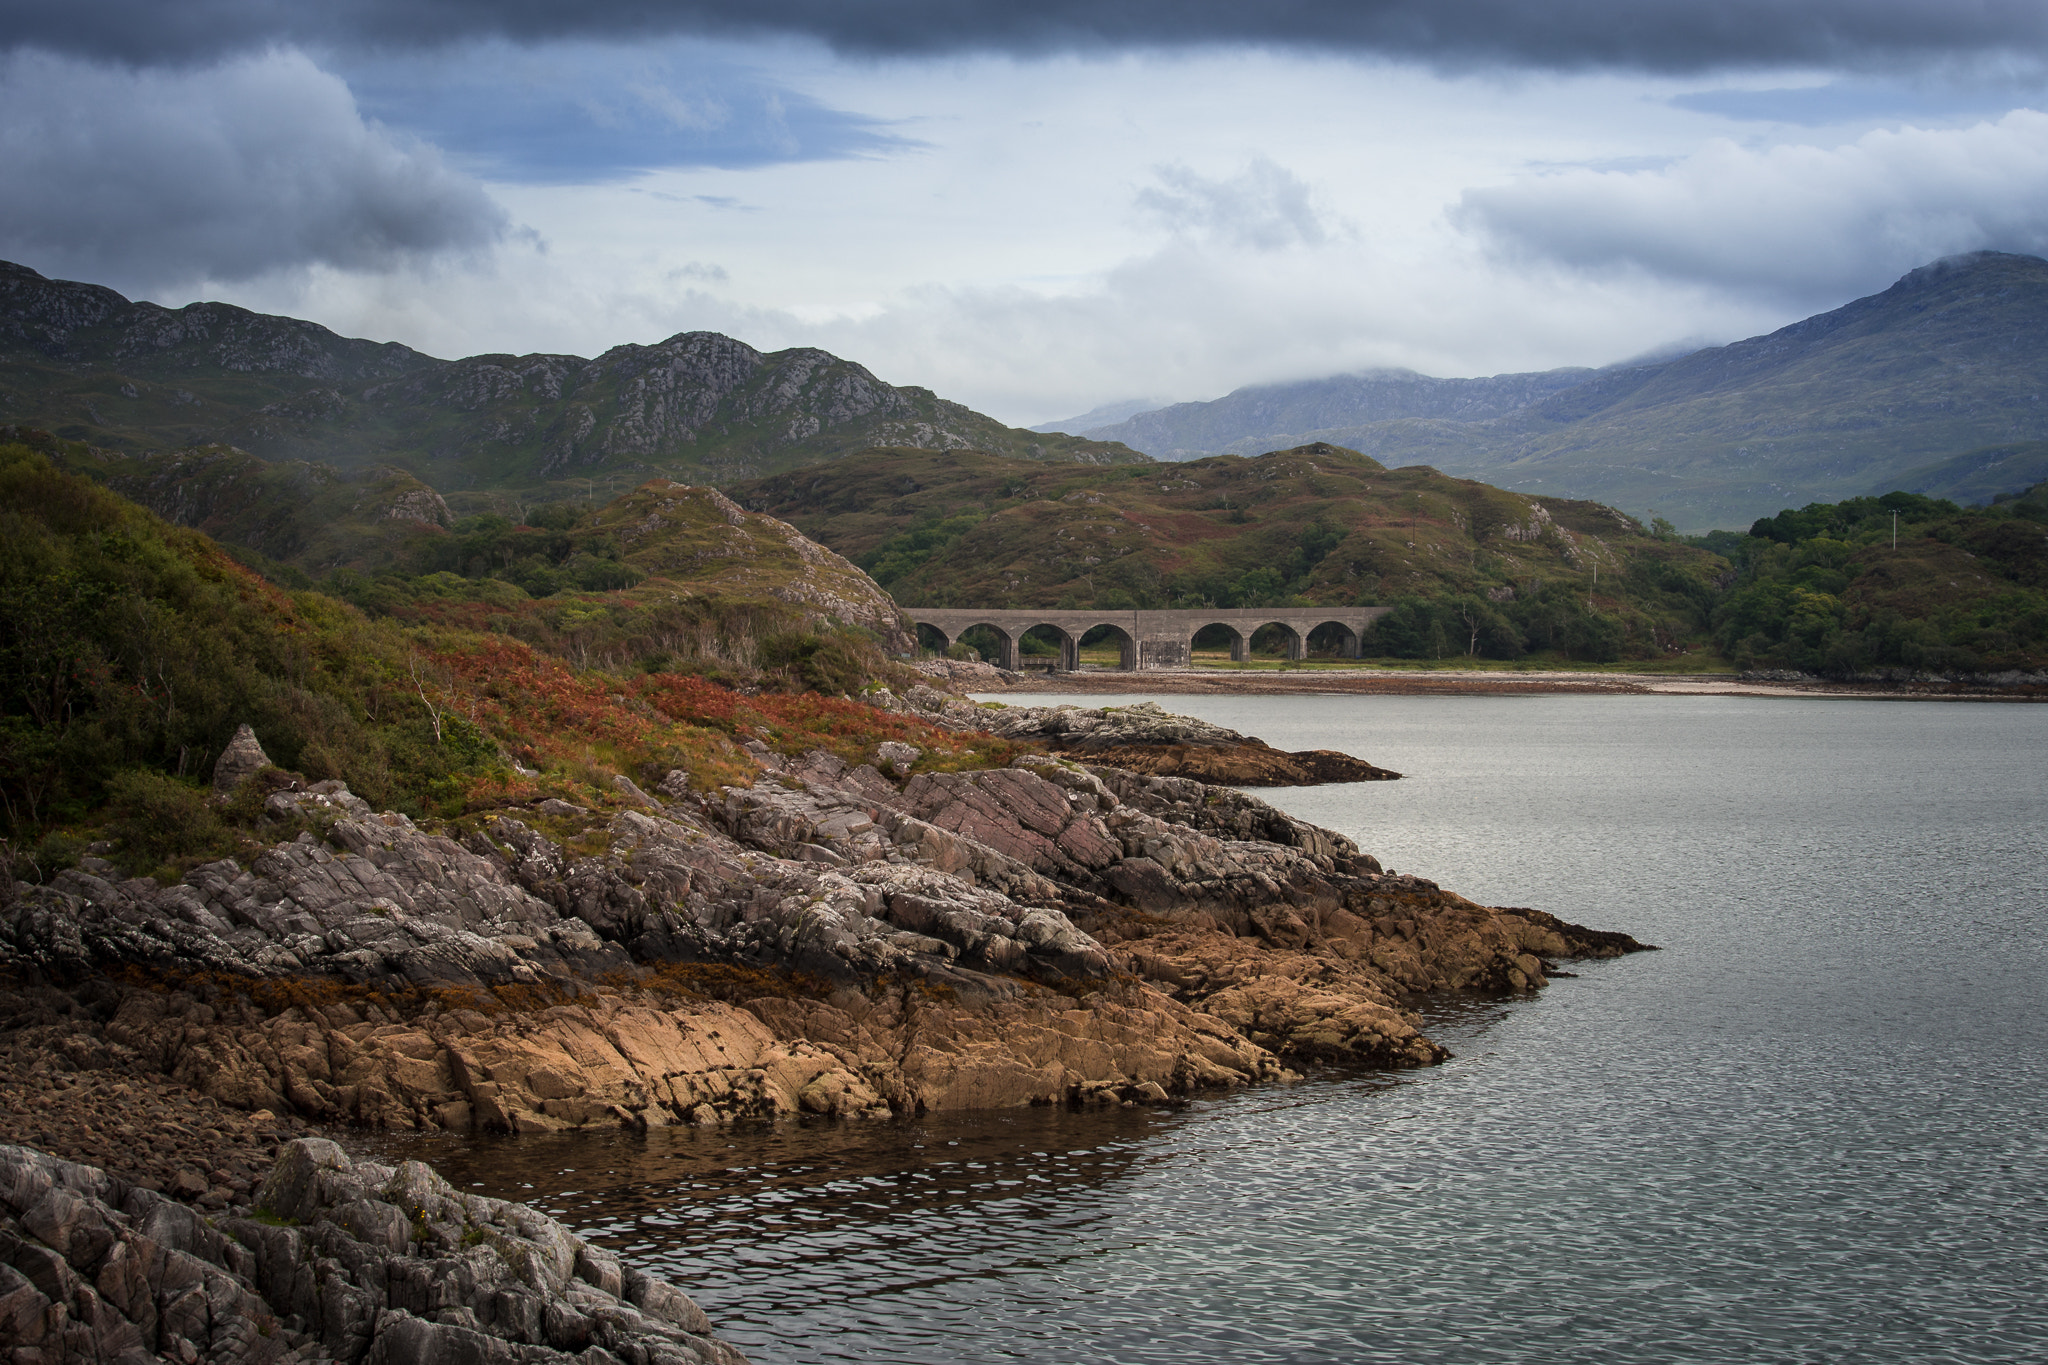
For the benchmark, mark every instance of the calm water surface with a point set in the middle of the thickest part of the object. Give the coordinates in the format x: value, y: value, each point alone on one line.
x: 1810, y: 1129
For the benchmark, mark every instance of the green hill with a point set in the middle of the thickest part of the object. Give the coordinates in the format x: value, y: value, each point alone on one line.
x: 89, y: 365
x: 1490, y: 572
x: 132, y: 649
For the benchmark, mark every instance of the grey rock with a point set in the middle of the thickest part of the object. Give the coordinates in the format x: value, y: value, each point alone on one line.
x: 240, y: 761
x: 897, y: 757
x: 142, y: 1277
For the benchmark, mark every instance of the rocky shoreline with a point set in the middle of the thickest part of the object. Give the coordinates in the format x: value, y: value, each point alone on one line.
x: 835, y: 940
x: 1146, y: 739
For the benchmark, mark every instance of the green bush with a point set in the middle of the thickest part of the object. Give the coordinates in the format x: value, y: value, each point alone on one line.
x: 157, y: 821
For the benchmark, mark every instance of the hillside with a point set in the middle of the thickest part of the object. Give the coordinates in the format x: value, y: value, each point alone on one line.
x: 664, y: 574
x: 1901, y: 583
x: 1503, y: 574
x: 90, y: 365
x: 291, y: 515
x: 1881, y: 393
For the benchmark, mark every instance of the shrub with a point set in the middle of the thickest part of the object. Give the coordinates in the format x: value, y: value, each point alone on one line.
x: 158, y: 821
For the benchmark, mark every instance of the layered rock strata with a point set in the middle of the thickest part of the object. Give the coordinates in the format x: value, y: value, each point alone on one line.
x: 337, y: 1261
x: 831, y: 940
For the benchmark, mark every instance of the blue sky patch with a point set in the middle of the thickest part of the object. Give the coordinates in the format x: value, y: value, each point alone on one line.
x: 590, y: 114
x: 1857, y: 101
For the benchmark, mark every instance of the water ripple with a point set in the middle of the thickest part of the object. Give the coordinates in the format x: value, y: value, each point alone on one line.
x: 1812, y: 1129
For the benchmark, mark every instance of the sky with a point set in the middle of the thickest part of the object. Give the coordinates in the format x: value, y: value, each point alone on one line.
x: 1034, y: 208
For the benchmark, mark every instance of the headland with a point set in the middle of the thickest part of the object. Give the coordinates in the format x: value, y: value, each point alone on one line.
x: 845, y: 940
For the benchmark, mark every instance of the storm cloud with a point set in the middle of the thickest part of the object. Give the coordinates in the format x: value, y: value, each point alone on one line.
x: 142, y: 179
x: 1651, y: 35
x: 1804, y: 223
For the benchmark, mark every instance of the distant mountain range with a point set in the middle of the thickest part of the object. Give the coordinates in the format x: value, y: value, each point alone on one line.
x: 1103, y: 416
x: 1935, y: 385
x: 87, y: 364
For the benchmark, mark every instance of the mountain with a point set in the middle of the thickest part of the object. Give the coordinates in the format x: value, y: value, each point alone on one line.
x: 295, y: 513
x: 1252, y: 420
x: 1979, y: 476
x: 1103, y: 416
x: 89, y: 365
x: 1878, y: 394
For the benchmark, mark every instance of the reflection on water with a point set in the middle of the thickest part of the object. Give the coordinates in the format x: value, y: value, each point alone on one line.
x: 1813, y: 1128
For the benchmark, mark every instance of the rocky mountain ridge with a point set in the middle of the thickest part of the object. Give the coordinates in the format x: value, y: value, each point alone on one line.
x: 88, y: 364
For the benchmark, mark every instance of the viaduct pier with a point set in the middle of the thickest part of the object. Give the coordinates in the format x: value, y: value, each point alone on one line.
x: 1153, y: 639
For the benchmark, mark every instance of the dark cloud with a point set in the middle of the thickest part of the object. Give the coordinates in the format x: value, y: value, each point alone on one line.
x: 148, y: 179
x: 1657, y: 35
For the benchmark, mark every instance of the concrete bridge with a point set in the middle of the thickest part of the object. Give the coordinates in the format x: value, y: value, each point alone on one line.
x: 1153, y: 639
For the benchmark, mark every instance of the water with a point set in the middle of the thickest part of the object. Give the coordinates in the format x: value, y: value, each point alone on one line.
x: 1810, y: 1129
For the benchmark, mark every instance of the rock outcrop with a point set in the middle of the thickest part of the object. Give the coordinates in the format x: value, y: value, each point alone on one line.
x: 830, y: 940
x: 337, y: 1261
x: 1148, y: 739
x: 834, y: 939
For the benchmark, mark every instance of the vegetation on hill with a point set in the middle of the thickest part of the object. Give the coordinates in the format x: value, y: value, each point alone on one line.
x: 1899, y: 582
x: 131, y: 649
x: 665, y: 571
x: 1470, y: 570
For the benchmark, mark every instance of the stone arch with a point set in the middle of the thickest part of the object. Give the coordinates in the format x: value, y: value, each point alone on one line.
x: 1069, y: 657
x: 1294, y: 643
x: 1126, y: 644
x: 1240, y: 643
x: 1006, y: 642
x: 930, y: 637
x: 1335, y: 635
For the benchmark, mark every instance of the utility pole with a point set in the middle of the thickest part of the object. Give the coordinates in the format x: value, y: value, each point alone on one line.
x: 1895, y: 530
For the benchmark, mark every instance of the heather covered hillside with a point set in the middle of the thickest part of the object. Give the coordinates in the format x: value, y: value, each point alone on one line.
x: 132, y: 649
x: 1471, y: 569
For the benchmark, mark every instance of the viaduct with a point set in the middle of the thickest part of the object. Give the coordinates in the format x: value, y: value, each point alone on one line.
x: 1153, y: 639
